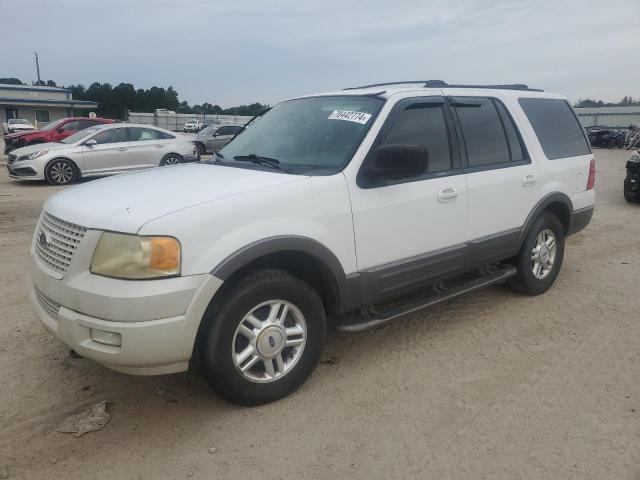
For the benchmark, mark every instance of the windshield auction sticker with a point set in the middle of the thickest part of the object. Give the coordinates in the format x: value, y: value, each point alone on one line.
x: 350, y: 116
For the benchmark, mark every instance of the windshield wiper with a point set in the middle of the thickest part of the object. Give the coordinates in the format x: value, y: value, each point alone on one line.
x: 257, y: 159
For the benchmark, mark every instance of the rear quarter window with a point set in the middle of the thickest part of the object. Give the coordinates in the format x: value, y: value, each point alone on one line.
x: 556, y: 126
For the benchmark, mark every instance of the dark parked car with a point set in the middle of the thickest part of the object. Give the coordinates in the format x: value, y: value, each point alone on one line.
x: 632, y: 181
x: 53, y: 132
x: 605, y: 137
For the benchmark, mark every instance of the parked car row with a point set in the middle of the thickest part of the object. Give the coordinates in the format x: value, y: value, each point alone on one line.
x: 102, y: 149
x: 53, y: 132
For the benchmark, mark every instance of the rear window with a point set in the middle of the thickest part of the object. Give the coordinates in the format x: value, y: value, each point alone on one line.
x: 556, y: 126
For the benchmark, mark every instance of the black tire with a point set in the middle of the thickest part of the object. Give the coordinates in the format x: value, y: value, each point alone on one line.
x: 61, y: 171
x: 201, y: 148
x: 525, y: 280
x: 631, y: 198
x: 171, y: 159
x: 224, y: 315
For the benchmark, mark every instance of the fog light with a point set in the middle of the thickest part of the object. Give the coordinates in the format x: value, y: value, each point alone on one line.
x: 106, y: 338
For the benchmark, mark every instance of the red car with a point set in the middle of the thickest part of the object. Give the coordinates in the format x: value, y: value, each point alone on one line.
x: 53, y: 132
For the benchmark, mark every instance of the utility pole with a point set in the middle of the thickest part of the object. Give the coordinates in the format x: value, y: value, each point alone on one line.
x: 37, y: 66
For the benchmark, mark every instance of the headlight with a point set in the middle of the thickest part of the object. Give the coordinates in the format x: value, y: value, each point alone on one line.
x: 32, y: 156
x: 132, y: 257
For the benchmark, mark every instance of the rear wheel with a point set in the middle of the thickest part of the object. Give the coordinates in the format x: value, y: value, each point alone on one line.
x: 60, y: 172
x: 171, y: 159
x: 540, y: 257
x: 631, y: 198
x: 263, y: 338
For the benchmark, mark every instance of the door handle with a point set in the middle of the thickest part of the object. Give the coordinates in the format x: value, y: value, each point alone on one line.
x: 529, y: 180
x: 122, y: 149
x: 448, y: 194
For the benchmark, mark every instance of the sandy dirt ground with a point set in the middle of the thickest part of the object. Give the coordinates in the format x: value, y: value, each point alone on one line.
x: 492, y: 385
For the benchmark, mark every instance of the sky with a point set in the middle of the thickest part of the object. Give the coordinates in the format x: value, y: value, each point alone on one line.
x: 235, y: 52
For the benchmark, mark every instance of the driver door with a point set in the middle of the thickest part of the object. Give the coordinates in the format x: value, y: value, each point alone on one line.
x: 410, y: 233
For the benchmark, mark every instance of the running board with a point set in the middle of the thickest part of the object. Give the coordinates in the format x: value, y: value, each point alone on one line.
x: 488, y: 276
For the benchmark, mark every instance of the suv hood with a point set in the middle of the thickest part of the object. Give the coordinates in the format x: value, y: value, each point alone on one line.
x: 124, y: 203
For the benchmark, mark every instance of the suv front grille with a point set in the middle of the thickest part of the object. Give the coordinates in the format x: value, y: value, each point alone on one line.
x: 48, y: 305
x: 57, y: 241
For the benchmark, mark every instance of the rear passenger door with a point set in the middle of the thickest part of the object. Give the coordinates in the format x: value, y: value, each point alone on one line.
x: 502, y: 182
x: 147, y: 147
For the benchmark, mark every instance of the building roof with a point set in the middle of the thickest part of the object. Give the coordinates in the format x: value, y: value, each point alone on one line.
x: 48, y: 102
x: 30, y: 88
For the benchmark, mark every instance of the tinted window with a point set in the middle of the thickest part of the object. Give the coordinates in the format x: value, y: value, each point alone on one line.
x: 139, y: 134
x: 227, y: 131
x: 423, y: 124
x: 482, y: 130
x: 556, y: 126
x: 112, y: 135
x: 515, y: 145
x: 72, y: 126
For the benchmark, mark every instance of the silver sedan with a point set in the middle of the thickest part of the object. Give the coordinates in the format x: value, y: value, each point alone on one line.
x: 101, y: 150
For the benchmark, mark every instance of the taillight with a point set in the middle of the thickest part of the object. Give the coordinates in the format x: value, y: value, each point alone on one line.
x: 592, y: 174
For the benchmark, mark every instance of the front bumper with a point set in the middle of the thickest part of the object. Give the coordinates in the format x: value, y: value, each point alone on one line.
x: 158, y: 320
x: 25, y: 170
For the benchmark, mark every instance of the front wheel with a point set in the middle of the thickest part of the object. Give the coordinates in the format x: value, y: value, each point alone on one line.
x: 60, y: 172
x: 540, y: 258
x: 262, y: 338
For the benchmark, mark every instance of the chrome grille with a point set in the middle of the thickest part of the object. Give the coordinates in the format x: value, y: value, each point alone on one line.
x: 47, y: 304
x: 57, y: 241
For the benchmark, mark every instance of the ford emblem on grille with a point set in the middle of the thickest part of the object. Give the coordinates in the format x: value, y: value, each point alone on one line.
x: 42, y: 239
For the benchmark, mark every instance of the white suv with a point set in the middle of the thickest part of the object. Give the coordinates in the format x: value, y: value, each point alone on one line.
x: 353, y: 207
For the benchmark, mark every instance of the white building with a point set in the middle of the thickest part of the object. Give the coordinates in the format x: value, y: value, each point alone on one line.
x: 40, y: 105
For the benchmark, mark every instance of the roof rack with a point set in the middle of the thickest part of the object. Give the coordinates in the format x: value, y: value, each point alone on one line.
x: 443, y: 84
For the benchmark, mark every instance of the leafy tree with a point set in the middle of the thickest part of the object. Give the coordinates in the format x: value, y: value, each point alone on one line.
x: 11, y: 81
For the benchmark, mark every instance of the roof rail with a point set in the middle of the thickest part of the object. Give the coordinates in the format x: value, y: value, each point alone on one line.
x: 443, y: 84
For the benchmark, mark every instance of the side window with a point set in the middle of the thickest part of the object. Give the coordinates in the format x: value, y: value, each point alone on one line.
x: 482, y: 131
x: 235, y: 130
x: 165, y: 136
x: 86, y: 124
x: 556, y: 126
x: 516, y: 149
x: 140, y: 134
x: 423, y: 124
x: 112, y: 135
x: 224, y: 131
x: 73, y: 126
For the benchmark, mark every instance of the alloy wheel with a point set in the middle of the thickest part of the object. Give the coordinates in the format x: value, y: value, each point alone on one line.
x: 543, y: 255
x: 61, y: 172
x: 269, y: 341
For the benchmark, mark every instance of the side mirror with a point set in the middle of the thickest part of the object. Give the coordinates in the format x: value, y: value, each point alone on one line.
x: 91, y: 142
x: 393, y: 163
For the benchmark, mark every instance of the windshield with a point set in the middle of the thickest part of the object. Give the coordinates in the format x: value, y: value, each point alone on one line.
x: 52, y: 125
x: 20, y: 121
x: 76, y: 137
x: 310, y: 136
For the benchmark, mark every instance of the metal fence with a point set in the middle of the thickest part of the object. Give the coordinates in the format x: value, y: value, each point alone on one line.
x: 613, y: 117
x: 176, y: 121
